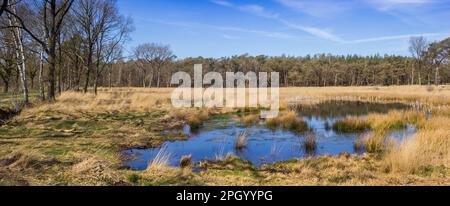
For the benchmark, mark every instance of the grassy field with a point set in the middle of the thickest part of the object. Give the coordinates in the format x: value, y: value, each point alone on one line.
x: 79, y: 139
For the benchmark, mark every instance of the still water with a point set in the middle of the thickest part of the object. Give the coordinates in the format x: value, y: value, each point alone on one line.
x: 218, y: 135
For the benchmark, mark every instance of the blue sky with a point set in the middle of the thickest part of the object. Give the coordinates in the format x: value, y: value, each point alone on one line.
x: 217, y: 28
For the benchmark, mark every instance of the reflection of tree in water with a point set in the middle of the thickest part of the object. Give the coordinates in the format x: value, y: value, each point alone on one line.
x: 334, y: 108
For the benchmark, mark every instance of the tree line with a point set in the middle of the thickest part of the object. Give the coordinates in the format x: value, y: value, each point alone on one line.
x: 152, y: 65
x: 53, y: 46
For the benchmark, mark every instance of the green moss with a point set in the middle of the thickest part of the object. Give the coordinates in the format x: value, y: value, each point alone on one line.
x: 171, y: 136
x: 57, y: 151
x: 427, y: 171
x: 15, y: 132
x: 97, y: 127
x: 133, y: 178
x: 66, y: 124
x: 6, y: 132
x: 339, y: 179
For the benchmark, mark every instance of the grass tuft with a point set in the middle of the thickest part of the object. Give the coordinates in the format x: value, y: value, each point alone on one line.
x: 186, y: 161
x: 351, y: 125
x: 241, y: 141
x: 310, y: 143
x: 195, y: 123
x: 161, y: 160
x: 360, y: 144
x: 427, y: 148
x: 133, y: 178
x: 250, y: 120
x: 288, y: 121
x: 378, y: 143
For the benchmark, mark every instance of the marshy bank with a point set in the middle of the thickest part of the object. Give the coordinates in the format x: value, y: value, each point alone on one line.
x: 309, y: 131
x: 80, y: 140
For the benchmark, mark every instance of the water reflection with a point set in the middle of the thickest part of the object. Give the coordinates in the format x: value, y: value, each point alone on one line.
x: 218, y: 136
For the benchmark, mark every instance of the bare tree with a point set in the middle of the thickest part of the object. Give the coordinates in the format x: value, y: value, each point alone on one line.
x: 142, y: 64
x: 18, y: 38
x: 113, y: 33
x: 3, y: 6
x: 418, y: 47
x: 91, y: 17
x: 53, y: 13
x: 156, y: 56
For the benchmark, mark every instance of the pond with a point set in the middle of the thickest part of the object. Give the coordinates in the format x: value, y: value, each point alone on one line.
x: 218, y: 136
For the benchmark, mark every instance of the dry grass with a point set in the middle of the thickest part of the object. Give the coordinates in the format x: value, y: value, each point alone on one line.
x: 310, y: 143
x: 161, y: 160
x: 128, y: 100
x: 250, y: 120
x: 430, y: 147
x: 405, y: 94
x: 289, y: 121
x: 425, y: 149
x: 378, y: 142
x: 78, y: 139
x: 395, y: 119
x: 360, y: 143
x: 351, y: 125
x: 241, y: 141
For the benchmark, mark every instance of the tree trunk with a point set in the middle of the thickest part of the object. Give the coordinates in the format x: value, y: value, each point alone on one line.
x: 88, y: 69
x: 60, y: 69
x: 69, y: 78
x: 110, y: 78
x: 23, y: 73
x: 52, y: 71
x: 41, y: 77
x: 86, y: 80
x: 143, y: 80
x: 96, y: 83
x: 436, y: 78
x: 335, y: 79
x: 6, y: 87
x: 420, y: 78
x: 119, y: 78
x: 32, y: 82
x: 20, y: 55
x: 159, y: 78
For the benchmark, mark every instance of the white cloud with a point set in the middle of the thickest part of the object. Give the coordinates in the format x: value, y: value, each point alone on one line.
x: 395, y: 37
x: 316, y: 8
x: 385, y: 5
x: 262, y: 12
x: 319, y: 32
x: 230, y: 37
x: 252, y: 8
x: 258, y: 10
x: 194, y: 25
x: 222, y: 3
x: 277, y: 35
